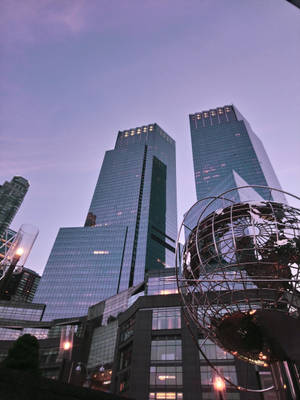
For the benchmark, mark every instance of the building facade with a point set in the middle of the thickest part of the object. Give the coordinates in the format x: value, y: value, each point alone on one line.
x: 228, y: 154
x: 22, y: 286
x: 130, y: 227
x: 11, y: 196
x: 156, y: 357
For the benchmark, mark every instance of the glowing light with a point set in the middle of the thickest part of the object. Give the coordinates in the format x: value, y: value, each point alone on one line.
x: 19, y: 251
x: 67, y: 345
x: 164, y: 377
x: 219, y: 384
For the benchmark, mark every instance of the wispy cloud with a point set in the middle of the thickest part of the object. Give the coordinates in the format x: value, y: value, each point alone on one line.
x: 32, y: 20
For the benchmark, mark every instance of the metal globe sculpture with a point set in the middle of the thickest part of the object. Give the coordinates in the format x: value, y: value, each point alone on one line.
x: 238, y: 274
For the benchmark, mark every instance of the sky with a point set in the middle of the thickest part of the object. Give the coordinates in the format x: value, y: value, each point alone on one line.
x: 75, y: 72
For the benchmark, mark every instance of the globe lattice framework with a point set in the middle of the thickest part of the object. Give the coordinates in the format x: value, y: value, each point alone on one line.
x: 239, y: 273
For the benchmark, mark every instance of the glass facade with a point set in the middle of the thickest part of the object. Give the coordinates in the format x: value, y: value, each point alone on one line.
x: 10, y: 311
x: 103, y: 345
x: 84, y: 268
x: 162, y: 284
x: 11, y: 196
x: 166, y: 375
x: 227, y: 154
x: 165, y: 396
x: 130, y: 227
x: 166, y: 349
x: 166, y: 318
x: 137, y: 188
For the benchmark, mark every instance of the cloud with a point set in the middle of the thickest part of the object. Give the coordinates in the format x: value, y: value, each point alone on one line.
x: 32, y: 20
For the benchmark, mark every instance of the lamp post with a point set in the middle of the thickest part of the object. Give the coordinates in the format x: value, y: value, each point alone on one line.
x: 4, y: 281
x: 17, y: 254
x: 219, y: 387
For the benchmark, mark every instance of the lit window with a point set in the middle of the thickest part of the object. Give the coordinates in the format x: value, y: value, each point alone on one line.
x: 119, y: 213
x: 132, y: 132
x: 237, y: 134
x: 151, y: 128
x: 101, y: 252
x: 213, y: 113
x: 227, y: 109
x: 166, y: 375
x: 126, y: 134
x: 228, y: 371
x: 165, y: 396
x: 198, y: 116
x: 138, y: 131
x: 145, y: 129
x: 205, y: 114
x: 220, y: 111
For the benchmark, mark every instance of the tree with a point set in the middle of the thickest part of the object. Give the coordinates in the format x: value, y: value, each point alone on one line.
x: 23, y: 355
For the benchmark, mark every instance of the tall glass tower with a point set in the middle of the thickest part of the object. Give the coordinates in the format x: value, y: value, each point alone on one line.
x: 228, y: 154
x: 11, y: 196
x: 130, y: 227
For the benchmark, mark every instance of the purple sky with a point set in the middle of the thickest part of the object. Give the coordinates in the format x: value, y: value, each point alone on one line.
x: 74, y: 72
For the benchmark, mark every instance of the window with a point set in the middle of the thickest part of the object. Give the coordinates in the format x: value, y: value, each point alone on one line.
x: 125, y: 357
x: 166, y: 376
x: 207, y: 373
x: 163, y: 349
x: 165, y: 396
x: 124, y: 381
x: 126, y: 330
x: 166, y: 318
x: 212, y: 396
x: 212, y: 351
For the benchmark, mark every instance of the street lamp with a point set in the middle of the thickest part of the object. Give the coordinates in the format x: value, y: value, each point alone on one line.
x: 219, y: 387
x: 17, y: 254
x: 67, y: 345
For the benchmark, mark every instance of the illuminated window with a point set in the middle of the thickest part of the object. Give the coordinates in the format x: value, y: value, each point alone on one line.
x: 151, y: 128
x: 119, y: 213
x: 101, y: 252
x: 165, y: 396
x: 198, y: 116
x: 166, y: 376
x: 213, y: 113
x: 145, y: 129
x: 220, y: 111
x: 237, y: 134
x: 228, y: 371
x: 227, y: 109
x: 126, y: 134
x: 138, y: 131
x: 132, y: 132
x: 205, y: 115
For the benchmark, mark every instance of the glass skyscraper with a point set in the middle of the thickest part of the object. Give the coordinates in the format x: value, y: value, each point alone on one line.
x: 130, y: 229
x: 228, y: 154
x: 11, y: 196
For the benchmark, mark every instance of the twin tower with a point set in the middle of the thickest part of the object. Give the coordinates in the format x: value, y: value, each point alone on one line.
x: 131, y: 225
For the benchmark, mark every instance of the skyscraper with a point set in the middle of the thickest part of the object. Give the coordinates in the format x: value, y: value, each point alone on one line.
x: 228, y: 154
x: 130, y: 227
x: 11, y: 196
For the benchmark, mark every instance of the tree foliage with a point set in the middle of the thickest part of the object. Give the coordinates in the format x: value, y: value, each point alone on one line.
x: 23, y: 355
